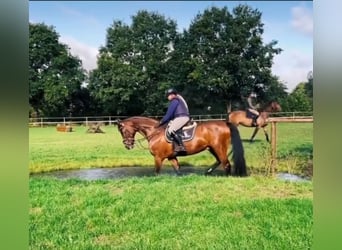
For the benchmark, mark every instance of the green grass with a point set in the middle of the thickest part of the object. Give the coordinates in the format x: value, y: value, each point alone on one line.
x: 191, y: 212
x: 167, y: 212
x: 51, y: 150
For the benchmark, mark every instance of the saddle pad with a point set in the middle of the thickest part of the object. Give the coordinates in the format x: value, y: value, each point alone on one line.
x: 187, y: 133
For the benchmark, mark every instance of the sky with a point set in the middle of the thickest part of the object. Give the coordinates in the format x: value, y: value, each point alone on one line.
x: 82, y: 25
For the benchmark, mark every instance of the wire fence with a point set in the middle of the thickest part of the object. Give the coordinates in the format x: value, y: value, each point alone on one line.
x: 110, y: 120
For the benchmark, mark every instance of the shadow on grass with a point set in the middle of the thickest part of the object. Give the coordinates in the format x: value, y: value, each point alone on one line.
x: 255, y: 141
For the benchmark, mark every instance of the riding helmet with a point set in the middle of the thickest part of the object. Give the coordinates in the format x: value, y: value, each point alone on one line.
x: 171, y: 91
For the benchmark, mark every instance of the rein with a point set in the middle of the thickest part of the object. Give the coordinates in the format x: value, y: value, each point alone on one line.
x: 140, y: 130
x: 147, y: 138
x: 139, y: 143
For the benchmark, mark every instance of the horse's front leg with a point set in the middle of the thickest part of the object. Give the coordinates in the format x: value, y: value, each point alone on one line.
x: 254, y: 134
x: 266, y: 134
x: 157, y: 164
x: 175, y: 165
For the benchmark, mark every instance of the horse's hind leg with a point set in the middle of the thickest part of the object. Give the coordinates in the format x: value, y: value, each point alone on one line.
x: 212, y: 168
x: 215, y: 165
x: 227, y: 167
x: 221, y: 160
x: 175, y: 165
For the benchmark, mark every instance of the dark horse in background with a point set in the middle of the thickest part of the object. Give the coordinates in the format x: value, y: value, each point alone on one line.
x: 242, y: 117
x: 216, y: 136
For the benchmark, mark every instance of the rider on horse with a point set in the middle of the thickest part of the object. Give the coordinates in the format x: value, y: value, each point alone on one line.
x: 177, y: 116
x: 253, y: 108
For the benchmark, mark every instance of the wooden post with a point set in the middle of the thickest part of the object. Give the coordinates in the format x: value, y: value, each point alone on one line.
x: 273, y: 147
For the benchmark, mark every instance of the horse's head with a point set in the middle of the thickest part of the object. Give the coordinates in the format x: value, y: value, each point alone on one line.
x: 127, y: 131
x: 130, y: 126
x: 275, y: 106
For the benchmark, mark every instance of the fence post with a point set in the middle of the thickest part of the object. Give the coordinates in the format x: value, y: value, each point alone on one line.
x: 273, y: 147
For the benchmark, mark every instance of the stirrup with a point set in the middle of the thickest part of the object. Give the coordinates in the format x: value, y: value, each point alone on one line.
x: 179, y: 150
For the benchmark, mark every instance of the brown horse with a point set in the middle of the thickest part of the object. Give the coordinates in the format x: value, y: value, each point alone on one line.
x: 240, y: 117
x: 212, y: 135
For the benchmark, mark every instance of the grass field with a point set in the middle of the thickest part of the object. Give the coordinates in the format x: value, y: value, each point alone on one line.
x: 191, y: 212
x: 167, y: 212
x: 52, y: 150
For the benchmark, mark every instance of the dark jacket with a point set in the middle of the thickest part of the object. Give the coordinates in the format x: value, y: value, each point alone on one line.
x: 177, y: 108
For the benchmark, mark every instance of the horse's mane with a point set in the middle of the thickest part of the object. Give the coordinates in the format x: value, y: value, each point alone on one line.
x: 141, y: 118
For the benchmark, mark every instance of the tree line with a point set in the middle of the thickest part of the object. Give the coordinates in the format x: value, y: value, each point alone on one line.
x: 215, y: 64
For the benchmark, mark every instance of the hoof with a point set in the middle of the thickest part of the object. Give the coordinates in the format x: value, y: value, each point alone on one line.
x: 179, y: 174
x: 209, y: 171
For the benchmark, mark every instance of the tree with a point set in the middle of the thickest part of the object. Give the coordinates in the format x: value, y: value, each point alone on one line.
x: 132, y: 72
x: 224, y: 55
x: 55, y: 76
x: 309, y: 85
x: 299, y: 100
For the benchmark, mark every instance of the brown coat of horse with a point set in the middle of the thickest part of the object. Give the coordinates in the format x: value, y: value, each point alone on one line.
x: 216, y: 136
x: 239, y: 117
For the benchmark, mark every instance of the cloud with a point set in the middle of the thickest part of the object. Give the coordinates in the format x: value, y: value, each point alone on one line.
x: 86, y: 53
x: 86, y: 19
x: 292, y: 67
x: 302, y: 20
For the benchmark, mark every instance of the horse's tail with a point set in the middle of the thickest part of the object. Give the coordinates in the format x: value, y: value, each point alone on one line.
x: 238, y: 151
x: 229, y: 110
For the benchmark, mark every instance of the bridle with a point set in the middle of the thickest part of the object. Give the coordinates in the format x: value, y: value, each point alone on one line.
x: 128, y: 137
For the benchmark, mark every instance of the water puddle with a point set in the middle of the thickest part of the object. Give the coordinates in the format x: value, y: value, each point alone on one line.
x: 122, y: 172
x: 291, y: 177
x: 125, y: 172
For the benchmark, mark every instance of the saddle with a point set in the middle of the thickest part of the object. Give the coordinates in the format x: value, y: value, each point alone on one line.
x: 187, y: 132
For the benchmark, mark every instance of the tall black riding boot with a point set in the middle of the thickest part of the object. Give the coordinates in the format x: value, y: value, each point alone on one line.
x: 179, y: 148
x: 254, y: 121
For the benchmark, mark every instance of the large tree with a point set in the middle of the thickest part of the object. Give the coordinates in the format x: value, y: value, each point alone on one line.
x: 224, y: 55
x: 299, y: 100
x: 132, y: 72
x: 55, y: 76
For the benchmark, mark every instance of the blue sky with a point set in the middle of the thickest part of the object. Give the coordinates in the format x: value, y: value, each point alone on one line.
x: 82, y: 26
